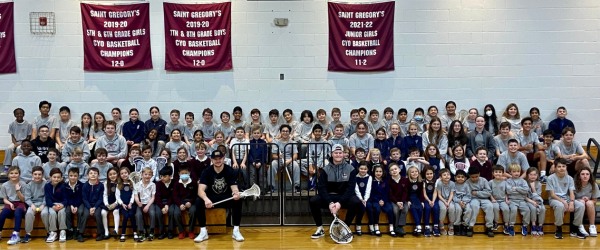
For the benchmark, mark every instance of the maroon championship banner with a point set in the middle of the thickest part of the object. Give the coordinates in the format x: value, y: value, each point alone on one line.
x: 116, y: 37
x: 8, y: 63
x: 361, y: 36
x: 197, y: 36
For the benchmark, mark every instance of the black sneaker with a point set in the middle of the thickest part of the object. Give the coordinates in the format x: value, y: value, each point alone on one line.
x: 297, y: 189
x: 150, y: 237
x: 490, y: 232
x: 162, y: 236
x: 558, y: 233
x: 70, y: 234
x: 80, y: 237
x: 318, y: 234
x: 579, y: 235
x: 495, y: 226
x: 470, y: 232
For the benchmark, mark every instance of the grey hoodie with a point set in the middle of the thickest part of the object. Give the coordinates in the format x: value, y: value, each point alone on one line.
x: 34, y: 193
x: 26, y: 164
x: 70, y: 146
x: 117, y: 146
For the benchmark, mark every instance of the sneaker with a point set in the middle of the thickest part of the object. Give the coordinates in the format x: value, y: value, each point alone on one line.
x: 470, y: 232
x: 490, y: 232
x: 141, y: 238
x: 237, y: 236
x: 318, y: 234
x: 297, y: 189
x: 511, y: 229
x: 26, y: 239
x: 495, y: 226
x: 135, y: 237
x: 436, y: 231
x: 63, y: 236
x: 506, y: 230
x: 14, y: 239
x: 181, y: 235
x: 150, y: 237
x: 540, y: 230
x: 534, y: 231
x: 582, y: 230
x: 4, y: 171
x: 201, y: 237
x: 122, y: 239
x: 51, y: 238
x: 524, y: 230
x: 191, y: 235
x: 593, y: 232
x: 80, y: 238
x: 427, y: 232
x: 451, y: 230
x: 165, y: 235
x: 558, y: 233
x: 580, y: 235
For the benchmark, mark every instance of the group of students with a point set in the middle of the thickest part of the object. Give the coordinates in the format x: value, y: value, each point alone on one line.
x: 450, y: 141
x: 460, y: 197
x: 111, y: 191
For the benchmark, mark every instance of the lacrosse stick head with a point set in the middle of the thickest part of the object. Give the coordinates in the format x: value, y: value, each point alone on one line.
x: 340, y: 232
x: 161, y: 162
x: 135, y: 176
x: 253, y: 191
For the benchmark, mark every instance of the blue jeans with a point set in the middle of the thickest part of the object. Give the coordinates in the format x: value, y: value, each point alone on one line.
x: 428, y: 209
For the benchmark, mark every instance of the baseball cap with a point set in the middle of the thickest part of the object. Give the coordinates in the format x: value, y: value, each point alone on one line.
x: 216, y: 154
x: 337, y: 147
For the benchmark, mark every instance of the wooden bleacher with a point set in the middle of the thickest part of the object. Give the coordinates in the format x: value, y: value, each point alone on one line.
x: 215, y: 224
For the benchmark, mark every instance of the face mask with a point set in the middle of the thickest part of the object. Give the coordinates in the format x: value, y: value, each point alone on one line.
x: 184, y: 177
x: 418, y: 118
x: 488, y: 113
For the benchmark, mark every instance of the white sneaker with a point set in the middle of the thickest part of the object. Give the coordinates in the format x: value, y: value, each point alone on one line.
x: 582, y: 230
x: 237, y: 236
x: 593, y: 231
x: 202, y: 236
x: 51, y: 238
x: 14, y: 239
x: 63, y: 236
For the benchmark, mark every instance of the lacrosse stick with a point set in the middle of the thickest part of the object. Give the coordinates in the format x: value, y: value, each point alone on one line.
x: 139, y: 165
x: 253, y: 191
x: 161, y: 162
x: 285, y: 167
x: 339, y: 231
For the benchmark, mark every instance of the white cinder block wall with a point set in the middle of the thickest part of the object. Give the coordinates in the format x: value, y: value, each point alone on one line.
x: 542, y: 53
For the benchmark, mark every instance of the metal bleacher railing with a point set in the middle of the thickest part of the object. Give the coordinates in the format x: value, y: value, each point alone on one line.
x: 285, y: 179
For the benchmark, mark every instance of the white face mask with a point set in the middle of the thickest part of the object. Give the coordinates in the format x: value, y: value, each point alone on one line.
x: 488, y: 113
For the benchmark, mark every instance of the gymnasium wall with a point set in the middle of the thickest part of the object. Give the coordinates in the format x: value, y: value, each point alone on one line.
x: 542, y: 53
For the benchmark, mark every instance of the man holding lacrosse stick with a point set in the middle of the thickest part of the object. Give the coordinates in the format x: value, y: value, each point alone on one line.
x: 335, y: 186
x: 217, y: 183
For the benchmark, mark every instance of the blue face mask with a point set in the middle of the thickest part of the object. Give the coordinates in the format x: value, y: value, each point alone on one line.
x: 418, y: 118
x: 184, y: 177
